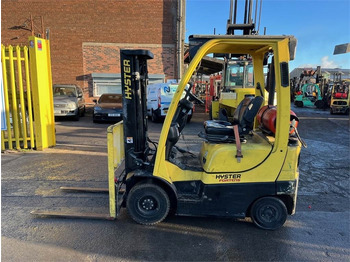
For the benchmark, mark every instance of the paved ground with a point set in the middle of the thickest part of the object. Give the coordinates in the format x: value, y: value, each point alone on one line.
x: 318, y: 232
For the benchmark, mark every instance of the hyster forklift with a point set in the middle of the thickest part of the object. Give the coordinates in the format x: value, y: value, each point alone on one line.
x: 340, y: 99
x: 245, y: 168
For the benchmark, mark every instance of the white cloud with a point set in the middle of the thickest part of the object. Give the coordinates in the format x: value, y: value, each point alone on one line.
x: 307, y: 66
x: 326, y: 63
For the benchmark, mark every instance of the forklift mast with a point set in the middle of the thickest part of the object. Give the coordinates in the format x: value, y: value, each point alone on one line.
x: 134, y: 83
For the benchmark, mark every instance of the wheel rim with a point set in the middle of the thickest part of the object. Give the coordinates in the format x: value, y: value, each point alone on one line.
x: 268, y: 214
x: 147, y: 205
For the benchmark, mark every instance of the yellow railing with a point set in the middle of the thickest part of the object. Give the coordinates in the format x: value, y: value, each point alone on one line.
x: 17, y: 99
x: 116, y: 155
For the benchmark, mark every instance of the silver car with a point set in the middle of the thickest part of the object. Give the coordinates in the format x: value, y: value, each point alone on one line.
x: 68, y: 101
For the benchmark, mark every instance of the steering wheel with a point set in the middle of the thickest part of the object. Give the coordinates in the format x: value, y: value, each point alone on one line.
x: 192, y: 97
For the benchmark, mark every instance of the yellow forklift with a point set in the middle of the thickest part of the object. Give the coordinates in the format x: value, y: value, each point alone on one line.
x: 340, y: 98
x: 245, y: 168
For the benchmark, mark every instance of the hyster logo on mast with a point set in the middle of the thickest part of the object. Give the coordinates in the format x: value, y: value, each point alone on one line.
x: 127, y: 79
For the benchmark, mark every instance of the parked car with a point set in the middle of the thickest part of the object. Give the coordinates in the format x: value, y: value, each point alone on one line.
x: 68, y: 101
x: 109, y: 107
x: 159, y: 97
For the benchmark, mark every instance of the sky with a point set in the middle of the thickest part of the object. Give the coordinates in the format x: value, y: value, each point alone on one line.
x: 318, y: 25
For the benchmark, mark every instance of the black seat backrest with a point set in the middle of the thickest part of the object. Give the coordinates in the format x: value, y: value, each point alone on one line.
x: 246, y: 112
x: 223, y: 114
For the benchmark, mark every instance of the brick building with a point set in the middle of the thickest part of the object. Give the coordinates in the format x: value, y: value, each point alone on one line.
x: 86, y: 36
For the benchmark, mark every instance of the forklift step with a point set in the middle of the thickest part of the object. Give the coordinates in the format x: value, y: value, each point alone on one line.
x: 72, y: 215
x: 189, y: 198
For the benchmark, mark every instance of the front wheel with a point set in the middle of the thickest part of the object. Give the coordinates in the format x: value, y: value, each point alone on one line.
x: 77, y: 116
x: 210, y: 112
x: 299, y: 103
x: 147, y: 204
x: 269, y: 213
x: 83, y: 111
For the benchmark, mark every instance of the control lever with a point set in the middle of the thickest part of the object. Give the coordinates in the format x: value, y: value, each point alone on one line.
x: 239, y: 155
x: 293, y: 126
x: 258, y: 86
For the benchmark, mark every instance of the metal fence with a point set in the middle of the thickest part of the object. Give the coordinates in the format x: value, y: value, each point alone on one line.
x: 17, y: 99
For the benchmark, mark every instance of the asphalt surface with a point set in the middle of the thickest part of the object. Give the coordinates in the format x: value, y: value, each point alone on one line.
x: 319, y: 231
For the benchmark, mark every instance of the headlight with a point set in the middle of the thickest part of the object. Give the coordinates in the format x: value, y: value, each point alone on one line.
x: 72, y: 105
x: 97, y: 109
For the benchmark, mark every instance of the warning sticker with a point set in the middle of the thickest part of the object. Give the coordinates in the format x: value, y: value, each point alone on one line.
x: 40, y: 45
x: 129, y: 140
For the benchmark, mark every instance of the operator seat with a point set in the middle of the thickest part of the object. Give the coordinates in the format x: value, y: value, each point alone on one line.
x: 222, y: 131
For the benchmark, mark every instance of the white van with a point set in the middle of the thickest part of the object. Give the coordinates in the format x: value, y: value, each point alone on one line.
x: 159, y: 97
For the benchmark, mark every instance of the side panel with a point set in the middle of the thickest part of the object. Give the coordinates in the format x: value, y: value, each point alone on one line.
x: 230, y: 200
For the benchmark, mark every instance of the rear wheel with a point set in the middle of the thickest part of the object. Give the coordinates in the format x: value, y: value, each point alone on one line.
x: 147, y: 204
x: 154, y: 117
x: 269, y: 213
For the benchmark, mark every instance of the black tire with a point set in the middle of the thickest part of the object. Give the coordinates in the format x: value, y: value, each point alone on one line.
x: 93, y: 119
x: 83, y: 112
x: 331, y: 111
x: 347, y: 112
x: 269, y: 213
x: 299, y: 103
x: 154, y: 117
x: 76, y: 117
x: 210, y: 112
x: 319, y: 104
x: 189, y: 117
x: 147, y: 204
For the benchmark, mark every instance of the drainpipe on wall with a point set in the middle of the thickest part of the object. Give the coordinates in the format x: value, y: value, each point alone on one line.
x: 181, y: 11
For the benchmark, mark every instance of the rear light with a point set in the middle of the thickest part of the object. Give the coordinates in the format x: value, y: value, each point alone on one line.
x: 159, y: 104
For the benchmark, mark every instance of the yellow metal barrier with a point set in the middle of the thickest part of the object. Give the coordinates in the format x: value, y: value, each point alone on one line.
x: 27, y: 85
x: 18, y: 110
x: 40, y: 72
x: 116, y: 156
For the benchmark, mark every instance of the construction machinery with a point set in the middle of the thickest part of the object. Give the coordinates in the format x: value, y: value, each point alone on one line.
x: 309, y: 95
x: 246, y: 167
x: 241, y: 170
x: 340, y: 99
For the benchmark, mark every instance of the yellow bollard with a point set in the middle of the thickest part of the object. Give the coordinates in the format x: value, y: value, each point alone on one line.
x: 14, y: 98
x: 21, y: 95
x: 29, y: 99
